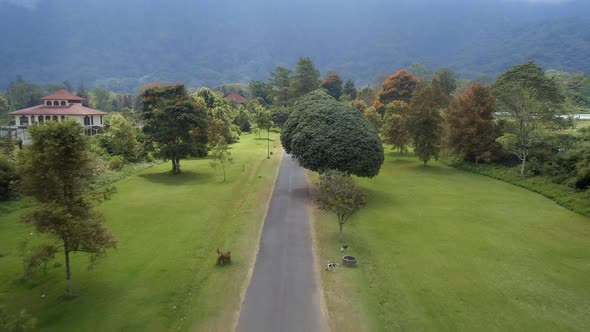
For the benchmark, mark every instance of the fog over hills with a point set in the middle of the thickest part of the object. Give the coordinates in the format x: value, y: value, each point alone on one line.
x: 126, y: 43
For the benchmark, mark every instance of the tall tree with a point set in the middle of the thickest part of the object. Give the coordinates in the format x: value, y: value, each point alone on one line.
x: 425, y: 121
x: 82, y: 92
x: 23, y: 94
x: 338, y: 193
x: 374, y: 118
x: 398, y: 86
x: 472, y: 129
x: 220, y: 155
x: 280, y: 82
x: 174, y: 121
x: 120, y: 139
x: 367, y: 95
x: 395, y: 125
x: 445, y: 80
x: 530, y: 77
x: 522, y: 129
x: 350, y: 89
x: 322, y: 133
x: 333, y: 84
x: 260, y: 89
x: 101, y: 99
x: 306, y: 78
x: 54, y: 170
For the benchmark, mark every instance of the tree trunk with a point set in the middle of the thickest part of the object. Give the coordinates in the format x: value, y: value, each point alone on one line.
x: 223, y: 166
x: 522, y: 166
x: 425, y: 162
x: 341, y: 235
x: 68, y: 271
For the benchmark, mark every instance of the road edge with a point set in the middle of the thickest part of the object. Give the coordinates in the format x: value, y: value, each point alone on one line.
x: 246, y: 283
x: 315, y: 254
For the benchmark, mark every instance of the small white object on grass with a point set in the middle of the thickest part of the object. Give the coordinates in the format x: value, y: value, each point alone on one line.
x: 43, y: 295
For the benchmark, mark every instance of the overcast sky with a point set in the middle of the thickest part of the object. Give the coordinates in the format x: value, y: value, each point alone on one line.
x: 33, y: 3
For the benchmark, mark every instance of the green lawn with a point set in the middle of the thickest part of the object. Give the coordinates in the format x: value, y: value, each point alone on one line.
x: 444, y: 250
x: 162, y: 276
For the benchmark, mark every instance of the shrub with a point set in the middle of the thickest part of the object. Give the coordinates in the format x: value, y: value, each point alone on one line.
x: 7, y: 177
x: 116, y: 163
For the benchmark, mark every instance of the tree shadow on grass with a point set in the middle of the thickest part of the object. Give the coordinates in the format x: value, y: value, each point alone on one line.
x: 184, y: 178
x: 433, y: 169
x: 376, y: 198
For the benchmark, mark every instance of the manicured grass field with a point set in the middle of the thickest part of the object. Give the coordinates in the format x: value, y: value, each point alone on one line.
x: 163, y: 274
x: 444, y: 250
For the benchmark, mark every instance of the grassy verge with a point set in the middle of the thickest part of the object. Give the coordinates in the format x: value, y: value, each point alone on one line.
x: 575, y: 200
x: 163, y: 274
x: 444, y: 250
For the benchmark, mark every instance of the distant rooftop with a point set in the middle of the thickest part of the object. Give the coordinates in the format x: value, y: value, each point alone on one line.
x: 235, y: 98
x: 63, y: 95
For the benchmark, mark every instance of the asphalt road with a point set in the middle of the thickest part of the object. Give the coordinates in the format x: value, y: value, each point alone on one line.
x: 283, y: 294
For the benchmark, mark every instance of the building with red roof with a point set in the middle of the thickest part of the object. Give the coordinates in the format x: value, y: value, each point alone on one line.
x: 59, y: 106
x: 236, y: 98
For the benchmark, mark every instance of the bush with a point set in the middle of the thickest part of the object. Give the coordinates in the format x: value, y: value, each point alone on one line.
x: 7, y: 177
x: 116, y: 163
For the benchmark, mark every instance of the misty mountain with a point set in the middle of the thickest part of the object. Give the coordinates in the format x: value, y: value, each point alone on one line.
x: 122, y: 44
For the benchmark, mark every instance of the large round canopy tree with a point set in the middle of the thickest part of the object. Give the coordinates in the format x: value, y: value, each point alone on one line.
x: 322, y: 133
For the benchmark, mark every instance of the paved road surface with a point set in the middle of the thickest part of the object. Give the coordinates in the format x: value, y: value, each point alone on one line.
x: 283, y: 294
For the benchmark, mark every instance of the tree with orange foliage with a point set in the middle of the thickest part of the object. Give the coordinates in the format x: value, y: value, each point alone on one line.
x: 333, y: 84
x: 398, y: 86
x: 473, y: 131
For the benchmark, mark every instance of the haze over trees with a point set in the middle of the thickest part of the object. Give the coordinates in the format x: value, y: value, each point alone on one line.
x: 108, y: 46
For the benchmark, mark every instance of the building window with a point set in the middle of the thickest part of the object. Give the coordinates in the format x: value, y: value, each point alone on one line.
x: 47, y: 118
x: 63, y: 103
x: 63, y: 118
x: 55, y: 103
x: 24, y: 120
x: 32, y: 119
x: 47, y: 103
x: 101, y: 119
x: 40, y: 118
x: 87, y: 120
x: 54, y: 118
x: 92, y: 119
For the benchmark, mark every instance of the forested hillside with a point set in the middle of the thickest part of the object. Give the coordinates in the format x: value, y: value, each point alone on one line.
x: 123, y: 44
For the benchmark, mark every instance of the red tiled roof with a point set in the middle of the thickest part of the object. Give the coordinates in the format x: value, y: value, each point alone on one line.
x: 236, y: 97
x: 72, y: 109
x: 62, y: 95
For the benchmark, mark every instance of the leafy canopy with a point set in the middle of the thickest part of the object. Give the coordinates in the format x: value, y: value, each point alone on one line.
x: 322, y: 133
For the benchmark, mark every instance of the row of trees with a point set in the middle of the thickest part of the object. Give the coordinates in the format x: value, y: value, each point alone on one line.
x: 522, y: 114
x: 286, y: 86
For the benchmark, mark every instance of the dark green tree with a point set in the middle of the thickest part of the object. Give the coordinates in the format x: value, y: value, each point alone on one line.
x: 350, y: 89
x: 260, y: 89
x: 333, y: 85
x: 279, y: 115
x: 530, y: 77
x: 82, y: 92
x: 175, y: 122
x: 306, y: 78
x: 54, y: 170
x: 425, y: 121
x: 280, y: 82
x: 7, y: 177
x: 322, y: 133
x: 23, y: 94
x: 446, y: 80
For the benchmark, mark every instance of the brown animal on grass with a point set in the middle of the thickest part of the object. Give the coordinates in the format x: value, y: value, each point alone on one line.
x: 223, y: 257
